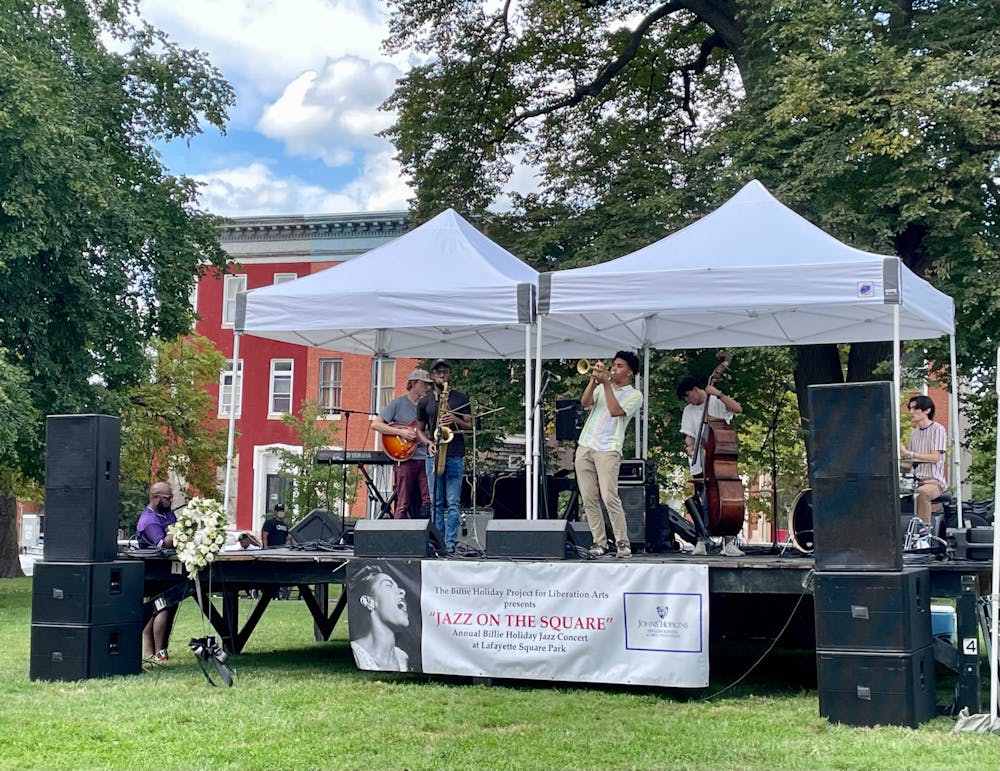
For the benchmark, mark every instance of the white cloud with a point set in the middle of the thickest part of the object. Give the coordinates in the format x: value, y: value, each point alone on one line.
x: 331, y: 113
x: 255, y: 189
x: 262, y: 45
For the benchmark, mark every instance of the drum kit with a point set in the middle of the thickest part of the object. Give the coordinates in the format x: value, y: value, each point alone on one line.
x: 800, y: 519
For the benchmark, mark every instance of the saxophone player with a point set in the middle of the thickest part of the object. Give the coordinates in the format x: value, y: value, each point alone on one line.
x: 442, y: 416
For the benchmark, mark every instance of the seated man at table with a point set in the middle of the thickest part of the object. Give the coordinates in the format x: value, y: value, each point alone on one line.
x: 151, y: 532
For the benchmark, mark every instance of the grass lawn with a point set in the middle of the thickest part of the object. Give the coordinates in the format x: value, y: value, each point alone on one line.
x: 299, y: 704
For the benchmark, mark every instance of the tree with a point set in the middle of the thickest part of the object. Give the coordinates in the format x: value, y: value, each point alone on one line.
x: 312, y: 486
x: 16, y: 419
x: 169, y: 424
x: 876, y: 121
x: 100, y: 246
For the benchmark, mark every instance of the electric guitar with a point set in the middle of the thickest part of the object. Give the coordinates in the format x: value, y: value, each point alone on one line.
x: 398, y: 448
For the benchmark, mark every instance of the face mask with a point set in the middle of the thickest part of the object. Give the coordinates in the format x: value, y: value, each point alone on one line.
x: 279, y: 514
x: 161, y: 507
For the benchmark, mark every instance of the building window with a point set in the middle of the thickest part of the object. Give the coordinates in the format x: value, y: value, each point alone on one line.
x: 281, y: 386
x: 388, y: 391
x: 226, y: 389
x: 284, y: 278
x: 331, y: 375
x: 232, y: 287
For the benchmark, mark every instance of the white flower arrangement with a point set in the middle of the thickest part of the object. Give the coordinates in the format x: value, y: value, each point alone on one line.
x: 199, y: 533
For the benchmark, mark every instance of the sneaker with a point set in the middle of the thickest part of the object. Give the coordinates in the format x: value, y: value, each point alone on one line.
x: 699, y: 549
x: 598, y: 550
x: 732, y: 550
x: 624, y: 550
x: 161, y: 656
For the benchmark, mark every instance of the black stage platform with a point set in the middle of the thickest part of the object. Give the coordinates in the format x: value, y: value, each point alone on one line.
x: 752, y: 590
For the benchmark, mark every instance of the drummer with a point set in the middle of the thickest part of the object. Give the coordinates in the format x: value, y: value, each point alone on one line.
x: 924, y: 453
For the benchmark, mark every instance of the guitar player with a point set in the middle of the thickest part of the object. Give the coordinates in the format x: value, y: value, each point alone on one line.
x: 398, y: 421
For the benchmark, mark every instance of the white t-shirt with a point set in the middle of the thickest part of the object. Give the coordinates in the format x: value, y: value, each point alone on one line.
x: 691, y: 421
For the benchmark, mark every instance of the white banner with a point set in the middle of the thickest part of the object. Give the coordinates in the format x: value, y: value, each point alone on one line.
x: 602, y: 623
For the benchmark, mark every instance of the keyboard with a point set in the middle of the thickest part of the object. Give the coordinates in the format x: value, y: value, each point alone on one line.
x: 353, y: 458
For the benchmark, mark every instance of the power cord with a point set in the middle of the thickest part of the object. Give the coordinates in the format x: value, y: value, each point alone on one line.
x: 807, y: 584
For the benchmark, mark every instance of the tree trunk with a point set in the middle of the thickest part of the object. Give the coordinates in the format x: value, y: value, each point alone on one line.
x: 863, y: 359
x: 10, y: 564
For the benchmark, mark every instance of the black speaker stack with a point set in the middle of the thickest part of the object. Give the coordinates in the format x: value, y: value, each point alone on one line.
x: 874, y: 657
x: 86, y: 608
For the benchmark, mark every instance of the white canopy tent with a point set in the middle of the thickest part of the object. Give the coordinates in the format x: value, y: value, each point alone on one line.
x: 750, y: 273
x: 441, y: 290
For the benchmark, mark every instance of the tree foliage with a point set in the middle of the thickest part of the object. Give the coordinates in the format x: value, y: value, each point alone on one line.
x: 100, y: 246
x: 168, y: 424
x: 875, y: 120
x: 314, y: 486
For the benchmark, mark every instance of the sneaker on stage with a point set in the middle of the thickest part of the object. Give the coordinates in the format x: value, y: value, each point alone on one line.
x: 699, y: 549
x: 732, y: 550
x: 624, y: 550
x: 598, y: 549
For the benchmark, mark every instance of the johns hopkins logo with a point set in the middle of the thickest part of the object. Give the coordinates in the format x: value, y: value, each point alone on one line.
x: 661, y: 611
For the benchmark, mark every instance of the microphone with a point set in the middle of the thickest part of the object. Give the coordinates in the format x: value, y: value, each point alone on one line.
x: 552, y: 375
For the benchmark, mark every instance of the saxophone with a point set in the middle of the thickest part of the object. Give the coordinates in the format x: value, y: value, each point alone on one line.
x: 442, y: 434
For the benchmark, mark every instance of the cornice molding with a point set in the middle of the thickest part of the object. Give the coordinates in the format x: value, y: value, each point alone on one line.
x: 322, y: 226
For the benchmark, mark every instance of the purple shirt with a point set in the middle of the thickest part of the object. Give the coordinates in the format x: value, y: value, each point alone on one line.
x: 151, y: 528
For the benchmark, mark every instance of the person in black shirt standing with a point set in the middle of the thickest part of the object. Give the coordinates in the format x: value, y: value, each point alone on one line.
x: 275, y: 530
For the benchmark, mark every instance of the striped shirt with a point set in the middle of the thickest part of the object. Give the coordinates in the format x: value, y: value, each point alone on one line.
x: 930, y: 439
x: 603, y: 432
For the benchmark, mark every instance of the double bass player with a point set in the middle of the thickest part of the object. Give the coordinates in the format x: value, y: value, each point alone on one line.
x: 695, y: 393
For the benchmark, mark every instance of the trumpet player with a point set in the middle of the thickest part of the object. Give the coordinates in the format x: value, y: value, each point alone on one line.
x: 440, y: 429
x: 613, y: 402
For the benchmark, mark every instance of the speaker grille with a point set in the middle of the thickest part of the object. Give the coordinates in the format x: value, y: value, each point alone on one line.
x: 855, y: 483
x: 397, y: 538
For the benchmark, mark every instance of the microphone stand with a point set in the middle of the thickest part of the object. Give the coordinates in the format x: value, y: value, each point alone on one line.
x: 772, y: 437
x: 542, y: 492
x: 343, y: 465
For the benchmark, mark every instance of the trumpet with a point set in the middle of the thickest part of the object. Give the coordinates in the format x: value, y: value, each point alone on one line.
x: 584, y: 366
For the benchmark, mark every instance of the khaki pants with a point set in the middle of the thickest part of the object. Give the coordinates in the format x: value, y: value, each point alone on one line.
x: 927, y: 490
x: 597, y: 479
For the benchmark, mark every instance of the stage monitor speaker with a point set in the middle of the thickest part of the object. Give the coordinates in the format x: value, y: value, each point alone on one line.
x: 662, y: 522
x: 80, y: 651
x: 82, y: 456
x: 569, y: 419
x: 531, y: 538
x: 855, y: 479
x: 866, y: 689
x: 87, y: 592
x: 873, y: 610
x: 397, y: 538
x: 581, y: 534
x: 317, y: 525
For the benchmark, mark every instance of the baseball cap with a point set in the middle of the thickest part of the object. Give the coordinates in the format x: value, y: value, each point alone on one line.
x: 279, y: 507
x: 440, y: 363
x: 420, y: 374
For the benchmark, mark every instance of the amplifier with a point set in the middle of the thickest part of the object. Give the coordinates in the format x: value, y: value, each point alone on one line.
x: 634, y: 472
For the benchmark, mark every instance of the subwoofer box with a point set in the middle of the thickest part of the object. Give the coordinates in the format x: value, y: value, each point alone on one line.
x: 872, y: 610
x: 80, y: 651
x: 862, y: 688
x: 531, y: 538
x: 87, y: 592
x: 397, y: 538
x: 82, y: 456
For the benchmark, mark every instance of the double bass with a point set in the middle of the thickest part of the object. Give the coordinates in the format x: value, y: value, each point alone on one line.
x: 724, y: 507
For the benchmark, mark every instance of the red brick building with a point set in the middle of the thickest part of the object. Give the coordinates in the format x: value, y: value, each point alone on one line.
x: 273, y: 377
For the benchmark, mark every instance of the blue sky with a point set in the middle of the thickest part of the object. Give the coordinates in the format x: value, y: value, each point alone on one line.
x: 309, y: 76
